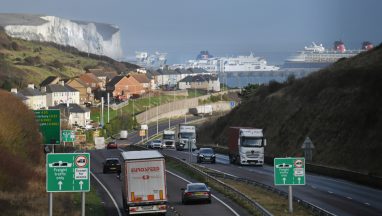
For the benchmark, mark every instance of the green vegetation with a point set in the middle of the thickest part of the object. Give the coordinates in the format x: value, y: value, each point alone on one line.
x: 23, y: 62
x: 339, y: 108
x: 93, y: 204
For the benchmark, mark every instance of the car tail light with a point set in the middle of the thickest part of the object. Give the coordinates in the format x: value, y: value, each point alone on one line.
x: 205, y: 193
x: 133, y: 209
x: 162, y: 207
x: 188, y: 194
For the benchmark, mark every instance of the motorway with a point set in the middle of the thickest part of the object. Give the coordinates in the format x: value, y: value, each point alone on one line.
x: 109, y: 188
x: 337, y: 196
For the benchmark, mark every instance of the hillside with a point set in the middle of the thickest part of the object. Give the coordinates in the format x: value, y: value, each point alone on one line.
x: 339, y: 108
x: 23, y: 62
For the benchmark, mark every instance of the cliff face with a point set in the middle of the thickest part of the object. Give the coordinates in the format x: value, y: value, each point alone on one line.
x: 96, y: 38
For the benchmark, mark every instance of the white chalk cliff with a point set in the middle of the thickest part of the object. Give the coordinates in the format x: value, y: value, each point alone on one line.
x: 96, y: 38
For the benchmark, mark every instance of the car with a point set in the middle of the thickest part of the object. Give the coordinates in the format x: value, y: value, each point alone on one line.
x: 206, y: 155
x: 196, y: 192
x: 60, y: 164
x: 155, y: 144
x: 111, y: 145
x: 112, y: 165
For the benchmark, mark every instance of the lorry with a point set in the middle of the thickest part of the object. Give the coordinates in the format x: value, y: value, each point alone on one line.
x: 246, y: 146
x: 201, y: 110
x: 123, y: 134
x: 143, y: 182
x: 186, y: 137
x: 168, y: 139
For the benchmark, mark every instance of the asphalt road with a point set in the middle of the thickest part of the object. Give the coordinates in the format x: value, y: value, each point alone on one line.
x: 337, y: 196
x: 174, y: 183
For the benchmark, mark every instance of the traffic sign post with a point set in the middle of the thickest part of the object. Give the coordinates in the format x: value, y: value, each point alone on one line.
x: 49, y: 121
x: 289, y: 171
x: 68, y: 136
x: 68, y: 172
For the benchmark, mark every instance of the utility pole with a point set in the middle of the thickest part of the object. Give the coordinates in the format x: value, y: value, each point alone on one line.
x: 108, y: 108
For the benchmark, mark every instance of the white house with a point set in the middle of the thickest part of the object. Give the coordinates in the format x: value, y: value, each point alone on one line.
x: 34, y: 98
x: 60, y: 93
x: 74, y: 114
x: 205, y: 82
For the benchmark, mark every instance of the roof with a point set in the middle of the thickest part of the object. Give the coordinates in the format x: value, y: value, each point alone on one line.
x: 30, y: 92
x: 103, y: 73
x: 89, y: 78
x: 59, y: 88
x: 20, y: 96
x: 80, y: 81
x: 50, y: 80
x: 142, y: 78
x: 114, y: 81
x: 199, y: 78
x: 138, y: 155
x: 73, y: 108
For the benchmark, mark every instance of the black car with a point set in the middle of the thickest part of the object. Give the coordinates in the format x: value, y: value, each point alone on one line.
x: 206, y: 155
x: 196, y: 192
x: 112, y: 165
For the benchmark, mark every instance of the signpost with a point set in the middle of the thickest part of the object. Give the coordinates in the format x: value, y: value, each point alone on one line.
x: 49, y: 121
x: 289, y: 171
x: 68, y: 136
x: 68, y: 172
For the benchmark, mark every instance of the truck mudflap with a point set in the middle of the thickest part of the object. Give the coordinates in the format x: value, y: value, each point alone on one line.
x: 146, y: 209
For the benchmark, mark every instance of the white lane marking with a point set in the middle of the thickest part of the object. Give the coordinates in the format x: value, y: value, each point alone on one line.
x: 330, y: 192
x: 221, y: 201
x: 349, y: 198
x: 223, y: 172
x: 314, y: 187
x: 368, y: 204
x: 108, y: 193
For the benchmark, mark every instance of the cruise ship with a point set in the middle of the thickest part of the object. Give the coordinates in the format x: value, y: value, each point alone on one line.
x: 237, y: 64
x: 316, y: 56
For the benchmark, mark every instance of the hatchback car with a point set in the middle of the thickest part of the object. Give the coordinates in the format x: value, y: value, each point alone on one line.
x: 112, y: 145
x: 206, y: 155
x: 196, y: 192
x: 155, y: 144
x: 111, y: 165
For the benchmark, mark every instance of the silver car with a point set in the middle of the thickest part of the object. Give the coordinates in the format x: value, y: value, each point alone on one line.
x: 155, y: 144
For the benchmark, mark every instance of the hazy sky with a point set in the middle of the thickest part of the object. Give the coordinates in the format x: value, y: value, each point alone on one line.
x: 182, y: 28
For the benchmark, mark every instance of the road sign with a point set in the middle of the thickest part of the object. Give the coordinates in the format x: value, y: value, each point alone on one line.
x: 49, y: 121
x: 142, y: 133
x: 68, y: 172
x: 68, y: 136
x: 232, y: 104
x: 289, y: 171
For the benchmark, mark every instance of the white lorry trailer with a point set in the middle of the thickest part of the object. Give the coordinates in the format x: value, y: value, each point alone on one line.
x: 168, y: 139
x: 186, y: 137
x: 143, y: 182
x: 201, y: 110
x: 246, y: 145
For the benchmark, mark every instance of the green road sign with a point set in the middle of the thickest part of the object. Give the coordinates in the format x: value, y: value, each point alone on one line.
x: 289, y: 171
x: 49, y: 121
x: 68, y: 172
x: 68, y: 136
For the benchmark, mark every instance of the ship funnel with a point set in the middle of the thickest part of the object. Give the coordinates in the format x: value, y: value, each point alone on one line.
x: 366, y: 45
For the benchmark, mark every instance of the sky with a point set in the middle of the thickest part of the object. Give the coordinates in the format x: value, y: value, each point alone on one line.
x: 273, y: 29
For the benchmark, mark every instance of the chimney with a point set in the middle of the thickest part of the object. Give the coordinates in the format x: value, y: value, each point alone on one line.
x: 14, y: 90
x: 31, y: 86
x: 62, y: 83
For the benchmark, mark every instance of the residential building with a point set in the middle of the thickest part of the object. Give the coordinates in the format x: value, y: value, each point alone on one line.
x: 85, y: 90
x: 205, y: 82
x: 73, y: 114
x: 60, y: 93
x: 33, y: 98
x: 118, y: 87
x: 93, y: 81
x: 135, y: 87
x: 103, y: 74
x: 142, y: 79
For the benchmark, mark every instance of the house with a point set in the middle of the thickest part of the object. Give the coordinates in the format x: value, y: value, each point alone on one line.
x: 60, y: 93
x: 142, y: 79
x: 85, y: 90
x: 93, y: 81
x: 153, y: 75
x: 135, y: 87
x: 103, y: 74
x: 118, y: 87
x: 50, y: 80
x: 73, y: 114
x: 33, y: 98
x: 205, y: 82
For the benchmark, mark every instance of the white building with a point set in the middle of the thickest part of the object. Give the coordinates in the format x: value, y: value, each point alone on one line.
x: 74, y: 114
x: 34, y: 99
x: 204, y: 82
x: 61, y: 93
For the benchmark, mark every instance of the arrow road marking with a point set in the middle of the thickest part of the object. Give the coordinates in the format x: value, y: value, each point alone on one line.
x: 81, y: 183
x: 59, y: 185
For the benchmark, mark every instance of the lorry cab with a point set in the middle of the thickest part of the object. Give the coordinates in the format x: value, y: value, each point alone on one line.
x: 246, y: 146
x: 168, y: 139
x: 186, y: 137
